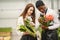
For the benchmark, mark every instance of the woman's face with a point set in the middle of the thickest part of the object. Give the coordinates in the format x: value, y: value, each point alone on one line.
x: 30, y: 11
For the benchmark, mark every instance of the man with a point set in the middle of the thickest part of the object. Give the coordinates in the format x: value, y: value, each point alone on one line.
x: 49, y: 32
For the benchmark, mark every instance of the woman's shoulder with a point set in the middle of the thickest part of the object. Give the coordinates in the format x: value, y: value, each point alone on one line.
x: 20, y: 17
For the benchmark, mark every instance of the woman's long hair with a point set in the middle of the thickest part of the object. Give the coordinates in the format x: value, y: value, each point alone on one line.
x: 25, y: 12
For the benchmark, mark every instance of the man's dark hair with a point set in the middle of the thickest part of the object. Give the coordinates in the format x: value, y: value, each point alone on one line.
x: 39, y: 3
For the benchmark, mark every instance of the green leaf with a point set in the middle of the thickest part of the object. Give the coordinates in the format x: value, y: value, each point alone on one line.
x: 58, y: 31
x: 30, y: 29
x: 22, y: 28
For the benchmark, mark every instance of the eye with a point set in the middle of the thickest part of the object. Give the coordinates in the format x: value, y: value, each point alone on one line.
x: 31, y: 10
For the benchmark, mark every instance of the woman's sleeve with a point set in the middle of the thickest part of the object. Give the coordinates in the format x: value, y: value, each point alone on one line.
x: 19, y: 22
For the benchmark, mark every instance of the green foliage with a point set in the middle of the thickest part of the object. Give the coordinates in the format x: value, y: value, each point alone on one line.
x: 8, y: 29
x: 58, y: 31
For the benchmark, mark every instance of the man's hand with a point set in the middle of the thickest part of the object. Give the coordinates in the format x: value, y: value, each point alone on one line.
x: 39, y: 19
x: 44, y: 27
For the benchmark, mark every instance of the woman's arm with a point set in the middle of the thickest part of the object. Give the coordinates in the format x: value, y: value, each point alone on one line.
x: 19, y: 22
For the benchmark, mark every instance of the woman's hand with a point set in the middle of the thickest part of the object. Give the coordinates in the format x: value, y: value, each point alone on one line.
x: 32, y: 24
x: 25, y: 33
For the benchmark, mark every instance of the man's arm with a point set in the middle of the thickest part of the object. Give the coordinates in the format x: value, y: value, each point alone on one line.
x: 56, y: 22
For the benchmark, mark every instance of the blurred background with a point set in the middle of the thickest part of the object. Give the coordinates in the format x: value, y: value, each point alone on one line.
x: 11, y: 9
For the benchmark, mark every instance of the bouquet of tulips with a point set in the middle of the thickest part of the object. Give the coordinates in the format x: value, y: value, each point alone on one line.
x: 28, y: 28
x: 46, y: 20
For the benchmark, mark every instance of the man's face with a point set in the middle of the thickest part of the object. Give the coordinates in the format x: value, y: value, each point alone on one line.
x: 42, y: 8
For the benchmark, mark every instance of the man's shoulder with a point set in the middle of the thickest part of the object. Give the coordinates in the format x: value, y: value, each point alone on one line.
x: 52, y: 10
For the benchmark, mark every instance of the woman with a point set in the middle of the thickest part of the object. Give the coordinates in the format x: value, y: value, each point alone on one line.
x: 29, y: 12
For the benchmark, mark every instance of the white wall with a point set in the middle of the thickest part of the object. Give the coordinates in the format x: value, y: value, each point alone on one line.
x: 9, y: 13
